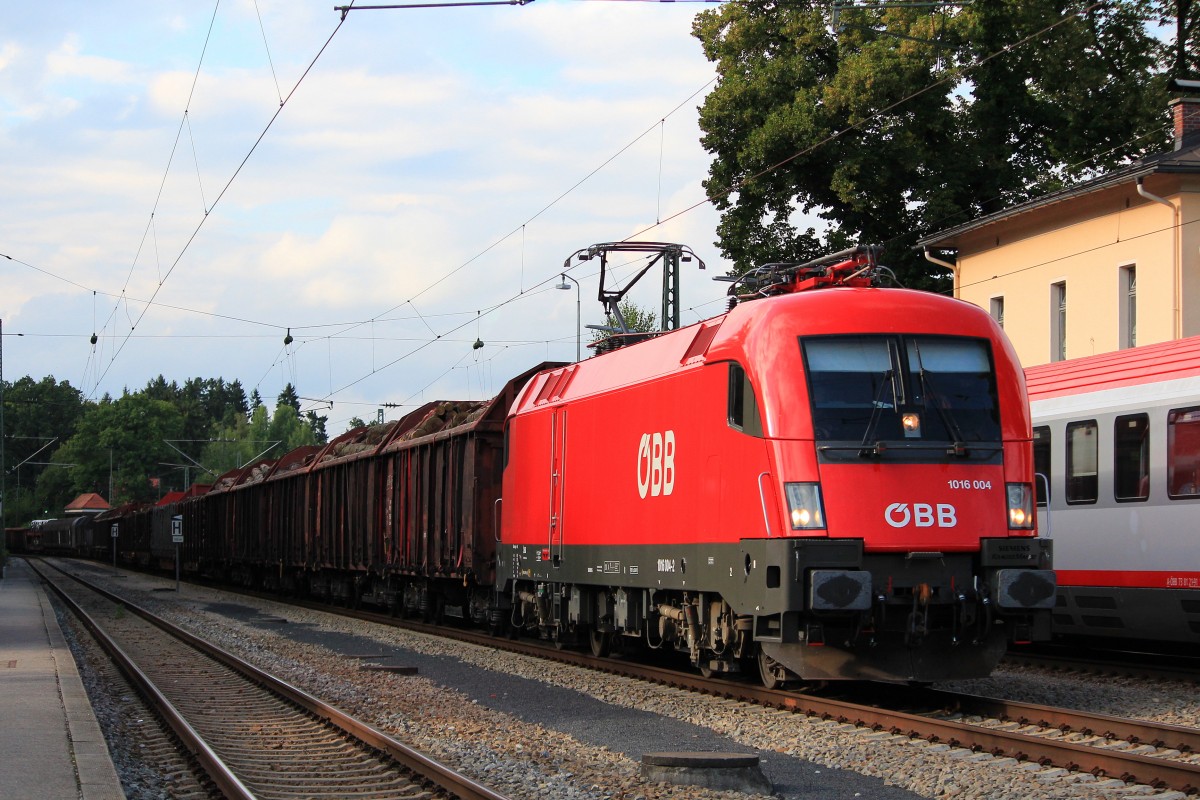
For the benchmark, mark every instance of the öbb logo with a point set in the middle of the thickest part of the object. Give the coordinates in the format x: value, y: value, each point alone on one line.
x: 921, y: 515
x: 656, y: 464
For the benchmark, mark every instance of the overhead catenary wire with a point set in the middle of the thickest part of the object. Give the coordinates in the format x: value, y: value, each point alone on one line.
x: 952, y: 75
x: 521, y: 228
x: 267, y: 47
x: 126, y: 300
x: 224, y: 189
x: 123, y: 299
x: 166, y: 170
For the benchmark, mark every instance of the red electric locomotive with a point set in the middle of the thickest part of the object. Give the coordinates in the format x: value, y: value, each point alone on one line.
x: 834, y: 481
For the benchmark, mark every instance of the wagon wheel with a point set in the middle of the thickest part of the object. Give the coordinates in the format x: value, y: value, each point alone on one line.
x: 600, y: 642
x: 562, y: 640
x: 770, y: 671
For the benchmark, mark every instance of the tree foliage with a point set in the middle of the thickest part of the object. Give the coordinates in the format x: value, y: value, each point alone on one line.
x: 39, y: 416
x: 638, y: 319
x: 142, y: 444
x: 121, y: 443
x: 905, y: 118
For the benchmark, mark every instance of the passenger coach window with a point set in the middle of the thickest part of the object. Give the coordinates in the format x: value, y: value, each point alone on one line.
x: 743, y: 405
x: 1131, y: 458
x: 1082, y: 482
x: 1183, y: 452
x: 1041, y: 462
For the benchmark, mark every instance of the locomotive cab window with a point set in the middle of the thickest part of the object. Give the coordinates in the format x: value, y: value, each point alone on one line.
x: 1183, y: 453
x: 743, y: 405
x: 1041, y: 462
x: 928, y: 397
x: 1131, y: 458
x: 1082, y: 450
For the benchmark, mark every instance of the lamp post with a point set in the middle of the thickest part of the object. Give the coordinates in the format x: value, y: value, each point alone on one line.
x: 564, y: 285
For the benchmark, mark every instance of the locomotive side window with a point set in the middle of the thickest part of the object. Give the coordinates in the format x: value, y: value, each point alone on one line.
x: 1041, y: 461
x: 743, y: 405
x: 1183, y: 452
x: 1082, y: 481
x: 912, y: 390
x: 1131, y: 458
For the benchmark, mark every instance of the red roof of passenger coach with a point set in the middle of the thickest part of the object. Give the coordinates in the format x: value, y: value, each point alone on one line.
x: 1147, y: 364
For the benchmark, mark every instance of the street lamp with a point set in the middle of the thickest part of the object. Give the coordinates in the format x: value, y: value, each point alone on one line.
x: 564, y: 285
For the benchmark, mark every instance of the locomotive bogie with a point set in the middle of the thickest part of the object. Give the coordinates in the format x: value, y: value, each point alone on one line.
x: 827, y: 609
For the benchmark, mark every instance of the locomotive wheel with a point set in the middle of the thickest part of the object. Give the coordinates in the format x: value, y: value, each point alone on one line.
x: 768, y: 671
x: 600, y: 642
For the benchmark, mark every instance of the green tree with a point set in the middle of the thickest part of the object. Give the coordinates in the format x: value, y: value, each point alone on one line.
x: 289, y: 430
x: 240, y: 441
x: 122, y: 441
x: 906, y: 118
x: 1183, y: 52
x: 235, y: 399
x: 316, y: 424
x: 229, y: 447
x: 288, y: 397
x: 260, y: 431
x: 39, y: 417
x: 638, y: 319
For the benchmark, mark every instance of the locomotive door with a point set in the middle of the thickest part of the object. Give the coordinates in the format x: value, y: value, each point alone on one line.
x: 558, y: 463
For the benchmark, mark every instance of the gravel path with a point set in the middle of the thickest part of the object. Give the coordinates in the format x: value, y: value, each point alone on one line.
x: 534, y: 729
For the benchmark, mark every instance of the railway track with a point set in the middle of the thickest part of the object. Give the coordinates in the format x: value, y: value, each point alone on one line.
x: 1102, y: 661
x: 1131, y: 751
x: 163, y: 767
x: 253, y: 735
x: 1112, y: 748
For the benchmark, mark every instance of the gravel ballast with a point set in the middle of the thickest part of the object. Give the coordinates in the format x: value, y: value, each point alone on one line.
x: 536, y: 729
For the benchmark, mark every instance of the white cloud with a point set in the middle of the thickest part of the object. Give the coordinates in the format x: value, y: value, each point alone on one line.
x: 9, y: 52
x: 68, y: 62
x: 403, y: 169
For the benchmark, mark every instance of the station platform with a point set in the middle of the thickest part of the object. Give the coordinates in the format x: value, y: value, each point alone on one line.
x: 51, y: 747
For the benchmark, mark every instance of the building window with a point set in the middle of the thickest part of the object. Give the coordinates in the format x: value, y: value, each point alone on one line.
x: 1128, y: 307
x: 1041, y: 463
x: 998, y: 310
x: 1058, y: 321
x: 1082, y: 483
x: 1131, y: 458
x: 1183, y: 452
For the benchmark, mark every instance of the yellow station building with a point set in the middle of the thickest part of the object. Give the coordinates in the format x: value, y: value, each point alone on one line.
x: 1105, y: 265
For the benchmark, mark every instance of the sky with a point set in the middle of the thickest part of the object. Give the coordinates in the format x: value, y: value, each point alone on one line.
x: 426, y: 175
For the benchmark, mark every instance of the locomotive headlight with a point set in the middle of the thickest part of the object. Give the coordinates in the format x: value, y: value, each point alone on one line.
x: 1020, y: 506
x: 912, y: 425
x: 804, y: 503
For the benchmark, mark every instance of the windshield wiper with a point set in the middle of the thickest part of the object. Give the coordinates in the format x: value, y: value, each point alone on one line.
x: 958, y: 447
x: 876, y: 450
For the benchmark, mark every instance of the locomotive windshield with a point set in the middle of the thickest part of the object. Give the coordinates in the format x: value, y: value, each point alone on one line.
x: 921, y: 395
